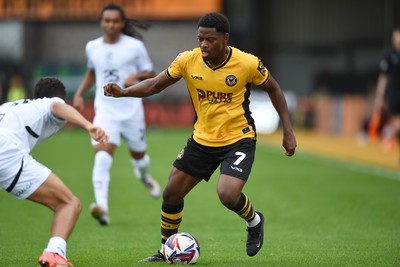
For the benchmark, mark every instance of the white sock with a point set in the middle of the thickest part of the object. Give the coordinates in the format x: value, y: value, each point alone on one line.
x: 141, y: 167
x: 101, y: 178
x: 57, y: 245
x: 256, y: 220
x: 162, y: 249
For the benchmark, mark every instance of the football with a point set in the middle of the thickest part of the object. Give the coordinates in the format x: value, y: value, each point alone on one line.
x: 181, y: 248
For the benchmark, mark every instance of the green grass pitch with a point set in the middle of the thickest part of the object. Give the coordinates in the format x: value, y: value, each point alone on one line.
x: 319, y: 211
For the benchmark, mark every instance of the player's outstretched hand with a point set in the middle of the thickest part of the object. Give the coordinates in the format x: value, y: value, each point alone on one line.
x: 290, y: 144
x: 112, y: 89
x: 98, y: 134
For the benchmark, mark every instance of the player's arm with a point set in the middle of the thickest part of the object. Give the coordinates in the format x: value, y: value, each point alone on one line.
x: 380, y: 91
x: 144, y: 88
x: 278, y: 100
x: 68, y: 113
x: 88, y: 80
x: 137, y: 77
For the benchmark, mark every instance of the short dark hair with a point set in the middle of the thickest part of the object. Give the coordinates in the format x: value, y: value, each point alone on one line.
x: 215, y: 20
x: 49, y: 87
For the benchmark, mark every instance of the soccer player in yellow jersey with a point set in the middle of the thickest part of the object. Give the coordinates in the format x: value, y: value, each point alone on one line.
x: 218, y: 78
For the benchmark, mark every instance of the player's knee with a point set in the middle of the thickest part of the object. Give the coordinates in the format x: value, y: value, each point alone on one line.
x: 171, y: 197
x: 70, y: 202
x: 227, y: 198
x: 77, y: 204
x: 74, y: 203
x: 167, y: 196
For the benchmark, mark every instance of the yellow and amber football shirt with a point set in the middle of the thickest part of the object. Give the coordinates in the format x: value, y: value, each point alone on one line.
x: 220, y: 94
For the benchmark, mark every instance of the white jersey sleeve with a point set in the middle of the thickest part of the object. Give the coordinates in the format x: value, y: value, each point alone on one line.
x: 29, y: 122
x: 143, y: 60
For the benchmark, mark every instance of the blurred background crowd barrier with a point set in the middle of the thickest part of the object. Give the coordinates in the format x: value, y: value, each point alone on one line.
x: 324, y: 54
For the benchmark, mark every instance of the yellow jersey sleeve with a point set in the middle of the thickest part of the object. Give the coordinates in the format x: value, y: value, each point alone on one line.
x: 177, y: 68
x: 259, y: 73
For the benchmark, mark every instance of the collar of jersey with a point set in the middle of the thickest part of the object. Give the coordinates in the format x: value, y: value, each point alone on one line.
x: 223, y: 63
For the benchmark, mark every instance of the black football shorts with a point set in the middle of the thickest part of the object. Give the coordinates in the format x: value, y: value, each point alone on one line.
x: 201, y: 161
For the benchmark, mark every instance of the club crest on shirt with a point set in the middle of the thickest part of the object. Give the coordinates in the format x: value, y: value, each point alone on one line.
x: 231, y: 80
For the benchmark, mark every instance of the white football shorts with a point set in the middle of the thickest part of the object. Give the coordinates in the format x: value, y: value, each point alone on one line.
x: 133, y: 131
x: 20, y: 174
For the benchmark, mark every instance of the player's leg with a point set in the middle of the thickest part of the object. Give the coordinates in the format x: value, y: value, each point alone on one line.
x: 394, y: 123
x: 178, y: 186
x: 25, y: 178
x: 191, y: 162
x: 235, y: 170
x: 103, y: 160
x: 230, y: 193
x: 101, y: 181
x: 391, y: 131
x: 396, y: 127
x: 141, y: 164
x: 134, y: 132
x: 54, y: 194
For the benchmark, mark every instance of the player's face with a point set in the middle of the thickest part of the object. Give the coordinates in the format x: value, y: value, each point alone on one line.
x: 112, y: 23
x: 396, y: 40
x: 212, y: 44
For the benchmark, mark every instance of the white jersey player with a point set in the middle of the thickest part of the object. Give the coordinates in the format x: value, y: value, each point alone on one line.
x: 117, y: 57
x: 24, y: 124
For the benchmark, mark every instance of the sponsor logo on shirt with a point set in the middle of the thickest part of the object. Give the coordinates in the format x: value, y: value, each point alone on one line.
x: 214, y: 97
x: 194, y: 77
x: 111, y: 75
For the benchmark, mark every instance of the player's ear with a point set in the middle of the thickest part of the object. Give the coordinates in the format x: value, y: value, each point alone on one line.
x: 226, y: 37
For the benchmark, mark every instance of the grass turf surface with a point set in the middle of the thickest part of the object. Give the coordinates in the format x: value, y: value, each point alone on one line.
x: 319, y: 211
